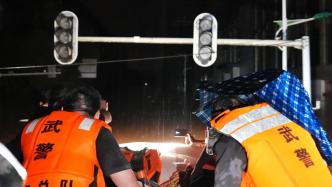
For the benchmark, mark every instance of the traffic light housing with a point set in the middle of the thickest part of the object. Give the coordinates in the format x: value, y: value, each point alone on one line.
x: 65, y: 38
x: 205, y: 39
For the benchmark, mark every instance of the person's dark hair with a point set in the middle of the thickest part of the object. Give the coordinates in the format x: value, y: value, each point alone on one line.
x: 231, y: 102
x: 55, y: 100
x: 50, y: 99
x: 82, y: 98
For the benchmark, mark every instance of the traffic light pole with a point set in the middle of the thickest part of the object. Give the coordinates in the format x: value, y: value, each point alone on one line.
x: 306, y: 66
x: 302, y: 44
x: 284, y: 34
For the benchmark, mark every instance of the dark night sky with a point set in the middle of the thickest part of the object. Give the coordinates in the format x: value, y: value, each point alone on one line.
x: 147, y: 98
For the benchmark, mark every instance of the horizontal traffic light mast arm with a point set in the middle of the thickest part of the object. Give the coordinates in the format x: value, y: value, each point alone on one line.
x: 189, y: 41
x: 264, y: 43
x: 135, y: 39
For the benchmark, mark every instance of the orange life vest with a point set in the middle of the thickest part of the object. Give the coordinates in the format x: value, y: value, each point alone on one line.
x: 279, y: 152
x: 146, y: 164
x: 60, y: 150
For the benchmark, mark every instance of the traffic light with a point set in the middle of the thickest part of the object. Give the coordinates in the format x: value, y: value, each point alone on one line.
x: 65, y: 38
x: 205, y: 39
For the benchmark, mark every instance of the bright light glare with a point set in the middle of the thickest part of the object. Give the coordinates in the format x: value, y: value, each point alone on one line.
x: 163, y: 148
x: 24, y: 120
x: 205, y: 24
x: 205, y: 38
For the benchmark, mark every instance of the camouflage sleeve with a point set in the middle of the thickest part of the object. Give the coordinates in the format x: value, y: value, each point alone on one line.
x: 231, y: 161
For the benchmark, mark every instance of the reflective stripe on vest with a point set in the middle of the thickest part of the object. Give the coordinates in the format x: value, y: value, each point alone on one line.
x: 86, y: 124
x: 32, y: 126
x: 254, y: 122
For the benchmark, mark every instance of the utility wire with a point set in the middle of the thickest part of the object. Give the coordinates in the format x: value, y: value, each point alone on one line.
x: 98, y: 62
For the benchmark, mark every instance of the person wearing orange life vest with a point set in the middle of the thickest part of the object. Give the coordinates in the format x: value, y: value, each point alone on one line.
x: 50, y: 100
x: 71, y: 149
x: 264, y: 132
x: 270, y: 150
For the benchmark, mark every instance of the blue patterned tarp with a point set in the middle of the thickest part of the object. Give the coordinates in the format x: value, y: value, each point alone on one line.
x: 282, y: 90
